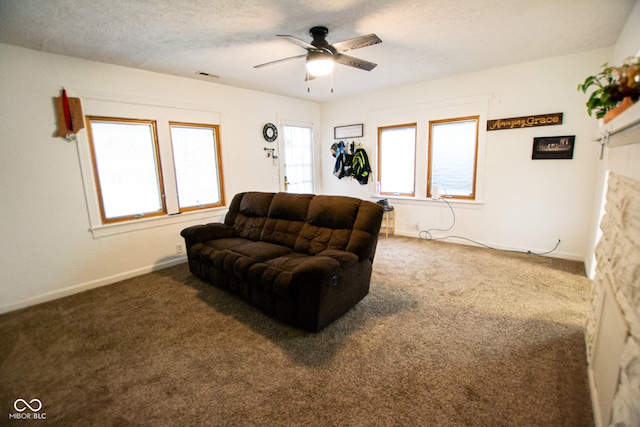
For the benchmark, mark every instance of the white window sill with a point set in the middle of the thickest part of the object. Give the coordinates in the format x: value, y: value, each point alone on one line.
x: 106, y: 230
x: 471, y: 204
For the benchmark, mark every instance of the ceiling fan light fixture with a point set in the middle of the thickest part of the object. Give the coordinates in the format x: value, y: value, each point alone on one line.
x: 319, y: 63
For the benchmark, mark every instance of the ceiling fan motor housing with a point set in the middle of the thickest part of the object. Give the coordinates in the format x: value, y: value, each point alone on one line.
x: 319, y: 35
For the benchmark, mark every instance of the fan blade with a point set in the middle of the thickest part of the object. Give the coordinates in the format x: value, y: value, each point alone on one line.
x: 308, y: 77
x: 303, y: 44
x: 356, y: 43
x: 280, y: 60
x: 354, y: 62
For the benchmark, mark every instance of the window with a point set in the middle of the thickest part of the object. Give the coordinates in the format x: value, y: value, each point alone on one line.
x: 453, y: 148
x: 396, y: 159
x: 298, y: 159
x: 121, y: 209
x: 197, y: 165
x: 126, y: 168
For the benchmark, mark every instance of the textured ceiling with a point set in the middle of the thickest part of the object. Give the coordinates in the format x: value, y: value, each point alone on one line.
x: 421, y: 39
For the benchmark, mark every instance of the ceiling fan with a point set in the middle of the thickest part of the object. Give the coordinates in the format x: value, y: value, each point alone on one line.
x: 321, y: 55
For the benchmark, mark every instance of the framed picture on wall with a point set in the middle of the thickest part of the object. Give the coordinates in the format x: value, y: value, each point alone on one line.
x: 553, y: 147
x: 350, y: 131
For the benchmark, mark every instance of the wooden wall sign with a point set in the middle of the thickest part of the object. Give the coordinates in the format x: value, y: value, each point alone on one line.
x: 525, y: 122
x: 68, y: 115
x: 350, y: 131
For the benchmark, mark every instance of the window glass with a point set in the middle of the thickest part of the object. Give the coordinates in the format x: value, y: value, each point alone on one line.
x: 126, y: 166
x: 452, y: 161
x: 396, y: 159
x: 298, y: 159
x: 196, y: 158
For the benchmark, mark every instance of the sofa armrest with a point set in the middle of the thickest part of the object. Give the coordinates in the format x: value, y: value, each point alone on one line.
x: 344, y: 258
x: 323, y: 266
x: 328, y: 286
x: 316, y: 269
x: 204, y: 233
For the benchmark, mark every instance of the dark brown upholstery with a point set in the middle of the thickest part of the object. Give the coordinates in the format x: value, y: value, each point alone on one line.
x: 303, y: 258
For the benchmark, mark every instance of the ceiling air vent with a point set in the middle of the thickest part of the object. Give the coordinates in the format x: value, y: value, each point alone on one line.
x: 205, y: 74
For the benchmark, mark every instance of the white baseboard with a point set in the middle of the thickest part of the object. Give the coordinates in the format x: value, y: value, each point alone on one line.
x: 597, y: 413
x: 556, y: 254
x: 74, y: 289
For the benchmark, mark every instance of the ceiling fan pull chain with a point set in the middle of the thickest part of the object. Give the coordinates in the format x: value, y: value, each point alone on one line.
x: 331, y: 81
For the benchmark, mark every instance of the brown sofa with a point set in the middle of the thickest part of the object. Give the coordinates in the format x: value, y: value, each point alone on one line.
x: 302, y: 258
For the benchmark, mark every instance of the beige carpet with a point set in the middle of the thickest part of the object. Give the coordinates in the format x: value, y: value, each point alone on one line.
x: 449, y: 335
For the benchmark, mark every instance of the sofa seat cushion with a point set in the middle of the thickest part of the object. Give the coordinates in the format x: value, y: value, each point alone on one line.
x: 277, y: 275
x: 238, y: 259
x: 205, y: 251
x: 274, y: 276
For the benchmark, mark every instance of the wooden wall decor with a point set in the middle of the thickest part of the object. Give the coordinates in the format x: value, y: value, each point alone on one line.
x: 350, y: 131
x: 525, y: 122
x: 69, y: 116
x: 553, y: 147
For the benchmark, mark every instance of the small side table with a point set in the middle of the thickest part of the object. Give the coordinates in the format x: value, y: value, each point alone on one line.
x: 388, y: 221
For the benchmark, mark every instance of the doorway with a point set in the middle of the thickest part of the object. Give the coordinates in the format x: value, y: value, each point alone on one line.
x: 297, y: 164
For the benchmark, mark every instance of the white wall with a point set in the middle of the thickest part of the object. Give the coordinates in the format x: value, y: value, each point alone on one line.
x: 524, y: 204
x: 47, y: 249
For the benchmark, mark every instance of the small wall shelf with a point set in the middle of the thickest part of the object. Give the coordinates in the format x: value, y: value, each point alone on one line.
x: 622, y: 130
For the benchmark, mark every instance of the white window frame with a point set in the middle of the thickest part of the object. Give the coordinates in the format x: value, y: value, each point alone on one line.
x: 422, y: 114
x: 95, y: 103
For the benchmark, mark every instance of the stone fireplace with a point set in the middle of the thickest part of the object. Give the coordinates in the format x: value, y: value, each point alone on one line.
x: 613, y: 328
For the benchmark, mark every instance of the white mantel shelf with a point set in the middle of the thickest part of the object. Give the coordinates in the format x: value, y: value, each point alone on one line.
x: 622, y: 130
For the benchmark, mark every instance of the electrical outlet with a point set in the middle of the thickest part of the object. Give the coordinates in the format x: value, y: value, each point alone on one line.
x: 418, y: 225
x: 179, y: 249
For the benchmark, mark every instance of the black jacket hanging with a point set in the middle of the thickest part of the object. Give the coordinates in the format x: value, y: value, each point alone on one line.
x: 342, y: 167
x: 360, y: 167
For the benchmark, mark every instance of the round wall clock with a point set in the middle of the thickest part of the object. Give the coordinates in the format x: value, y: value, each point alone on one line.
x: 270, y: 132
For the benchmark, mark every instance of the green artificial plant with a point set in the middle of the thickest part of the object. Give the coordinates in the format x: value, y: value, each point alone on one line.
x: 612, y: 85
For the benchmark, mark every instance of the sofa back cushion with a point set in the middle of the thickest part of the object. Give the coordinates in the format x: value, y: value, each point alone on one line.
x: 287, y: 215
x: 309, y: 224
x: 252, y: 214
x: 234, y: 210
x: 330, y: 220
x: 364, y: 237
